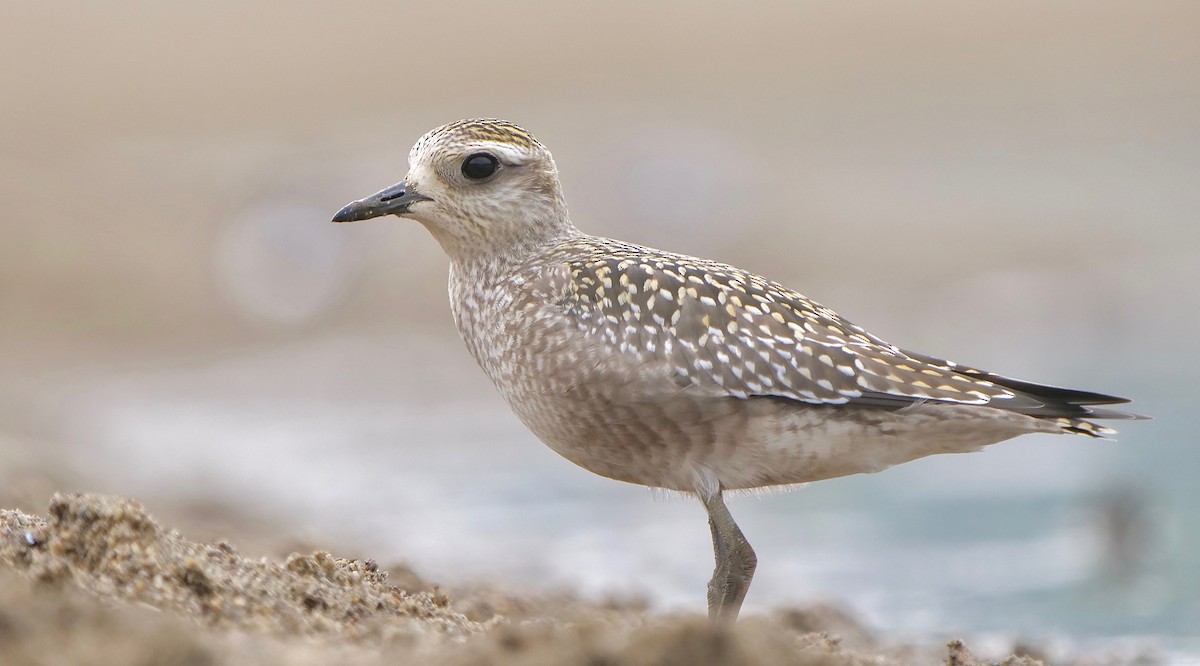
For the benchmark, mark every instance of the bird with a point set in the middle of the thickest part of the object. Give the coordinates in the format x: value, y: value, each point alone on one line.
x: 681, y: 373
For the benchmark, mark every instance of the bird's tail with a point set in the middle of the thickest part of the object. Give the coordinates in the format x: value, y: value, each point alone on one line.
x: 1072, y: 410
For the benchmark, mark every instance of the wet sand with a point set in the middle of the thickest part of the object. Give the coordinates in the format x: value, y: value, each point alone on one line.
x: 96, y: 579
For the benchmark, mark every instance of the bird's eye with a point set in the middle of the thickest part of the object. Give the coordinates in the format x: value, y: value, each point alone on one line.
x: 480, y: 166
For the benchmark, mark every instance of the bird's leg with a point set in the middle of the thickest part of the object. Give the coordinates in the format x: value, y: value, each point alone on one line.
x: 735, y: 563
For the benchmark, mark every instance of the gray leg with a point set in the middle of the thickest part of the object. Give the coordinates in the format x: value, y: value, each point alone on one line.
x: 735, y: 563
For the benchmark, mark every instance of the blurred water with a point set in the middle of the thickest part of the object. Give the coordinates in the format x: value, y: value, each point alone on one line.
x: 397, y: 443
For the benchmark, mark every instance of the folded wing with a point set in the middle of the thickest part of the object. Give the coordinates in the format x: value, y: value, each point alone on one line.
x: 735, y: 333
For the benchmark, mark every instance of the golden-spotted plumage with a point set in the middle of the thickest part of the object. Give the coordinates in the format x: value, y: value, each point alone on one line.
x: 677, y: 372
x: 726, y: 328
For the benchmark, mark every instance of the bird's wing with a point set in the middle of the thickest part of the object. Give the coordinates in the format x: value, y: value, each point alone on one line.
x: 720, y: 328
x: 723, y: 328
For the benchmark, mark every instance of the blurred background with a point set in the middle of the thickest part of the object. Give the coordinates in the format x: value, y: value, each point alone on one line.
x: 1014, y: 185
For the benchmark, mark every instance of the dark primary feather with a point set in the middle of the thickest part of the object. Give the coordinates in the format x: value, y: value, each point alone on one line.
x: 1055, y: 400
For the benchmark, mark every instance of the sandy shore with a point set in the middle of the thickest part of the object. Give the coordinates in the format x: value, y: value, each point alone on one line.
x: 98, y: 580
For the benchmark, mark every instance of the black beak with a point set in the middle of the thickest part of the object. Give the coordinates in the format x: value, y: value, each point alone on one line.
x: 394, y: 200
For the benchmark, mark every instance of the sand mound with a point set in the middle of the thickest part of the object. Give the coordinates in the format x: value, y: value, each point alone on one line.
x: 109, y: 585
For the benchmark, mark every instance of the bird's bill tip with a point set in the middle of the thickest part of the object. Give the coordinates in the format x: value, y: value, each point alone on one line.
x: 353, y: 212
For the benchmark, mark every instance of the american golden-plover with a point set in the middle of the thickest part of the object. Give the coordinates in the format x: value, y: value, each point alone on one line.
x: 681, y: 373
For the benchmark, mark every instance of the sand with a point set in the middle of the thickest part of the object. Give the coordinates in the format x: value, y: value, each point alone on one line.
x: 98, y: 580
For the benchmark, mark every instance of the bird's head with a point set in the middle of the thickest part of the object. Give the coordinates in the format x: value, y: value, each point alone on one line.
x: 477, y: 185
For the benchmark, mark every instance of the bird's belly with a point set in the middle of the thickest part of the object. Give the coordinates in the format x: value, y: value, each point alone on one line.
x: 690, y: 443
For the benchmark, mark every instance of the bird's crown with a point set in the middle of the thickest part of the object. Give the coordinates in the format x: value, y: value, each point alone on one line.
x: 480, y: 130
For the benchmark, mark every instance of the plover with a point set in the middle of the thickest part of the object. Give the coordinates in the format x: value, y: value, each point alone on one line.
x: 675, y: 372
